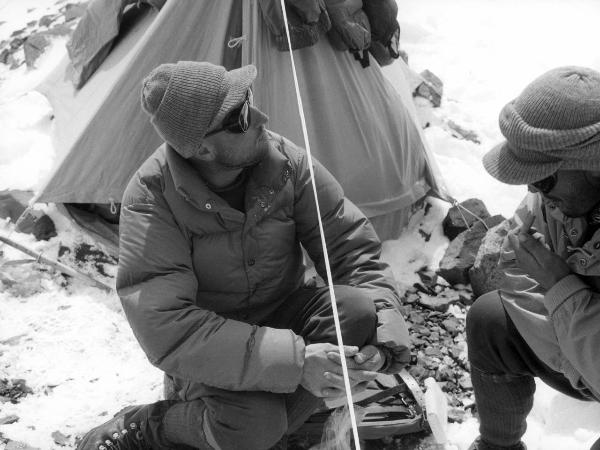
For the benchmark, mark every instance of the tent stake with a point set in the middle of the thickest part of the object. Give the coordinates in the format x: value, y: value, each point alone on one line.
x: 57, y: 265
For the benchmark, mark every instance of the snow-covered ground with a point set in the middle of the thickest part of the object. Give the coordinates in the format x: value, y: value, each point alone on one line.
x: 73, y: 346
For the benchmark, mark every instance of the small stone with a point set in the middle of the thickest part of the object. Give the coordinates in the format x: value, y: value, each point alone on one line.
x: 46, y: 20
x: 411, y: 298
x: 418, y: 372
x: 60, y: 438
x: 34, y: 47
x: 416, y: 319
x: 465, y: 381
x: 451, y: 325
x: 434, y: 336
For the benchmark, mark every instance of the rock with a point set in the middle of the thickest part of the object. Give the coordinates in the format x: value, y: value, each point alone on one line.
x: 74, y: 11
x: 44, y: 228
x: 34, y: 46
x: 440, y: 302
x: 411, y: 298
x: 465, y: 381
x: 454, y: 222
x: 7, y: 420
x: 13, y: 203
x: 416, y: 318
x: 60, y: 438
x: 484, y: 275
x: 418, y: 372
x: 462, y: 251
x: 46, y: 21
x: 428, y: 277
x: 463, y: 133
x: 431, y: 88
x: 451, y: 325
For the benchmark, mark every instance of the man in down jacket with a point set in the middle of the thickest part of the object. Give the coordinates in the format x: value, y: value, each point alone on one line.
x: 544, y: 321
x: 212, y: 280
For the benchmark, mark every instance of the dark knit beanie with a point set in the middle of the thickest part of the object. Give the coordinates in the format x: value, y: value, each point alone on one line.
x: 554, y: 124
x: 188, y: 99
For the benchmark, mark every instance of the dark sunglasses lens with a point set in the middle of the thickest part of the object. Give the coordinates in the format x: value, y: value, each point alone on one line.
x: 545, y: 185
x: 231, y: 122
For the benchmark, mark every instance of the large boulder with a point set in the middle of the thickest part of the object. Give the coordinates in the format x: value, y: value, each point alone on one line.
x: 458, y: 220
x: 462, y: 251
x: 484, y: 275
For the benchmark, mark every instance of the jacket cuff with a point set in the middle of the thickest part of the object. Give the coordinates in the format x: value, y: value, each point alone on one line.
x: 276, y: 361
x: 561, y: 291
x: 392, y: 337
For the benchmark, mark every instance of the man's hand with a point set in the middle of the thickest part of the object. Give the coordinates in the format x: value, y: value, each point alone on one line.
x: 544, y: 266
x: 367, y: 358
x: 323, y: 376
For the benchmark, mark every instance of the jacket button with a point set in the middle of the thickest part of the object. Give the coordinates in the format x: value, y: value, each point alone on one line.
x: 597, y: 245
x: 583, y: 262
x: 574, y: 232
x: 251, y: 262
x: 207, y: 205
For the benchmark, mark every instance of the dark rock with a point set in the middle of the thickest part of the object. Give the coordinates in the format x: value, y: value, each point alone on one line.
x: 416, y: 318
x: 16, y: 43
x: 13, y: 203
x: 431, y: 88
x: 34, y: 47
x: 428, y: 277
x: 4, y: 56
x: 47, y: 20
x: 463, y: 133
x: 454, y: 222
x: 44, y: 228
x: 462, y: 251
x: 484, y: 275
x: 60, y: 438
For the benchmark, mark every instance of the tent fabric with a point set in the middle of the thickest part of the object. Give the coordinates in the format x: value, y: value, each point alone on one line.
x: 359, y: 126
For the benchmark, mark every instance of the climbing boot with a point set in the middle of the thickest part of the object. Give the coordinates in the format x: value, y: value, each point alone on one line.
x: 133, y: 428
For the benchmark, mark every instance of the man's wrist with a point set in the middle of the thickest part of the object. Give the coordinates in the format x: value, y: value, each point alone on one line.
x: 387, y: 356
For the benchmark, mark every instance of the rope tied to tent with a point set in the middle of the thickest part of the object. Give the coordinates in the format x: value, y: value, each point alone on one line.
x: 237, y: 41
x: 113, y: 206
x: 461, y: 208
x: 336, y: 319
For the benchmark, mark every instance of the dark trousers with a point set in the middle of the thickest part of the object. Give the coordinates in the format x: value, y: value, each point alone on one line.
x: 258, y: 420
x: 503, y: 368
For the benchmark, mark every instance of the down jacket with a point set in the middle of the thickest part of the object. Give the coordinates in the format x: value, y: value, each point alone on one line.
x: 561, y: 325
x: 197, y: 278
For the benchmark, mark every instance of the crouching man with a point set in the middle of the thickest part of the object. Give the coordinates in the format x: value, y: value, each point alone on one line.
x: 211, y: 276
x: 545, y: 320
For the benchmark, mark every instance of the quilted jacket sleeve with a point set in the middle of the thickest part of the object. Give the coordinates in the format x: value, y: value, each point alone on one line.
x: 157, y: 287
x: 353, y: 249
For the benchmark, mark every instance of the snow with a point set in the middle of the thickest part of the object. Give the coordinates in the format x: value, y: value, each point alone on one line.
x: 73, y: 346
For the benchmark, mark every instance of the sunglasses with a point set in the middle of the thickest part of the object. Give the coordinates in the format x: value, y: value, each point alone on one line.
x: 237, y: 120
x: 545, y: 185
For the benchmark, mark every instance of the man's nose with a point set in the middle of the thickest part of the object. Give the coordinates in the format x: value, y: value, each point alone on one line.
x: 257, y: 117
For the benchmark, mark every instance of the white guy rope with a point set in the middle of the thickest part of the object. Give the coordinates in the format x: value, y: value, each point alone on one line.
x: 336, y: 319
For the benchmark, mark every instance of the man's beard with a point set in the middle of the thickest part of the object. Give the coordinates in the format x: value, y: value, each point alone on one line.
x: 261, y: 149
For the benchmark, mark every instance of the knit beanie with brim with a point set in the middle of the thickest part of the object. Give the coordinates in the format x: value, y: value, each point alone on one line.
x: 188, y: 99
x: 553, y: 125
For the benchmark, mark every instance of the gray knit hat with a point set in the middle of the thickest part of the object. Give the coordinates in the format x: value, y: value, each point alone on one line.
x: 554, y: 124
x: 188, y: 99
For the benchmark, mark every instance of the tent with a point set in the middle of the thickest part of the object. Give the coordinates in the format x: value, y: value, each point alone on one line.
x: 360, y: 127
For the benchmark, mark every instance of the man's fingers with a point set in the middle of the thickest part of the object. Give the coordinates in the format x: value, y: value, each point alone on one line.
x: 335, y: 357
x: 356, y: 376
x: 527, y: 223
